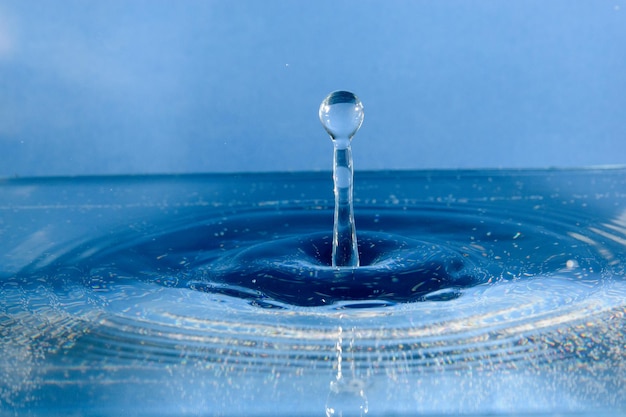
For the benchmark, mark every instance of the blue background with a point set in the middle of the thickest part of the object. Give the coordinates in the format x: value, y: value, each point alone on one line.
x: 119, y: 86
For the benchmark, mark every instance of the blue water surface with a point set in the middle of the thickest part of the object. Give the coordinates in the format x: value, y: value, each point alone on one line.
x: 481, y: 293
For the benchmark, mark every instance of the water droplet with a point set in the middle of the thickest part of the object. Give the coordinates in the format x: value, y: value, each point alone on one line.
x: 341, y: 114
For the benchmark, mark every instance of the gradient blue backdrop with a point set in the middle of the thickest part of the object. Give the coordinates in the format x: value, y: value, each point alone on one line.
x: 128, y: 86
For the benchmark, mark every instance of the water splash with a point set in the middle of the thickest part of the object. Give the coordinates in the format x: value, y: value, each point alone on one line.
x: 214, y: 294
x: 341, y: 114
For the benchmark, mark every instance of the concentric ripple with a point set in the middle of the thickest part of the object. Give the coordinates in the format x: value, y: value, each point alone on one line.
x: 464, y: 303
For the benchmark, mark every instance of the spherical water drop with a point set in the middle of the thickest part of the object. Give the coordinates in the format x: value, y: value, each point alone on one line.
x: 341, y: 114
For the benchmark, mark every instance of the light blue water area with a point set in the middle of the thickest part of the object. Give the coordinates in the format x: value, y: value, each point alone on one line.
x: 479, y: 292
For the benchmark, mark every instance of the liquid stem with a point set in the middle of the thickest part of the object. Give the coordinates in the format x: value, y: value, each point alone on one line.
x: 345, y: 249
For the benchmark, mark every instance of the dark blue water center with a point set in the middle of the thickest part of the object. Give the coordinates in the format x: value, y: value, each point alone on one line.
x: 281, y: 258
x: 296, y: 271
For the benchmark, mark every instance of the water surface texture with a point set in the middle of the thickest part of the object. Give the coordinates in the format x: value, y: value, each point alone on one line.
x: 479, y: 292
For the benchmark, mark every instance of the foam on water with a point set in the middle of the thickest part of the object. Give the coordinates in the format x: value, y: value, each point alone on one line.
x: 478, y: 292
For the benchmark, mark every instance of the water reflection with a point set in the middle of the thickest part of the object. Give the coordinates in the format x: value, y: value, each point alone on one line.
x: 347, y: 391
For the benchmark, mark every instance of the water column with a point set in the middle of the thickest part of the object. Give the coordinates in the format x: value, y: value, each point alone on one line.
x: 341, y: 114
